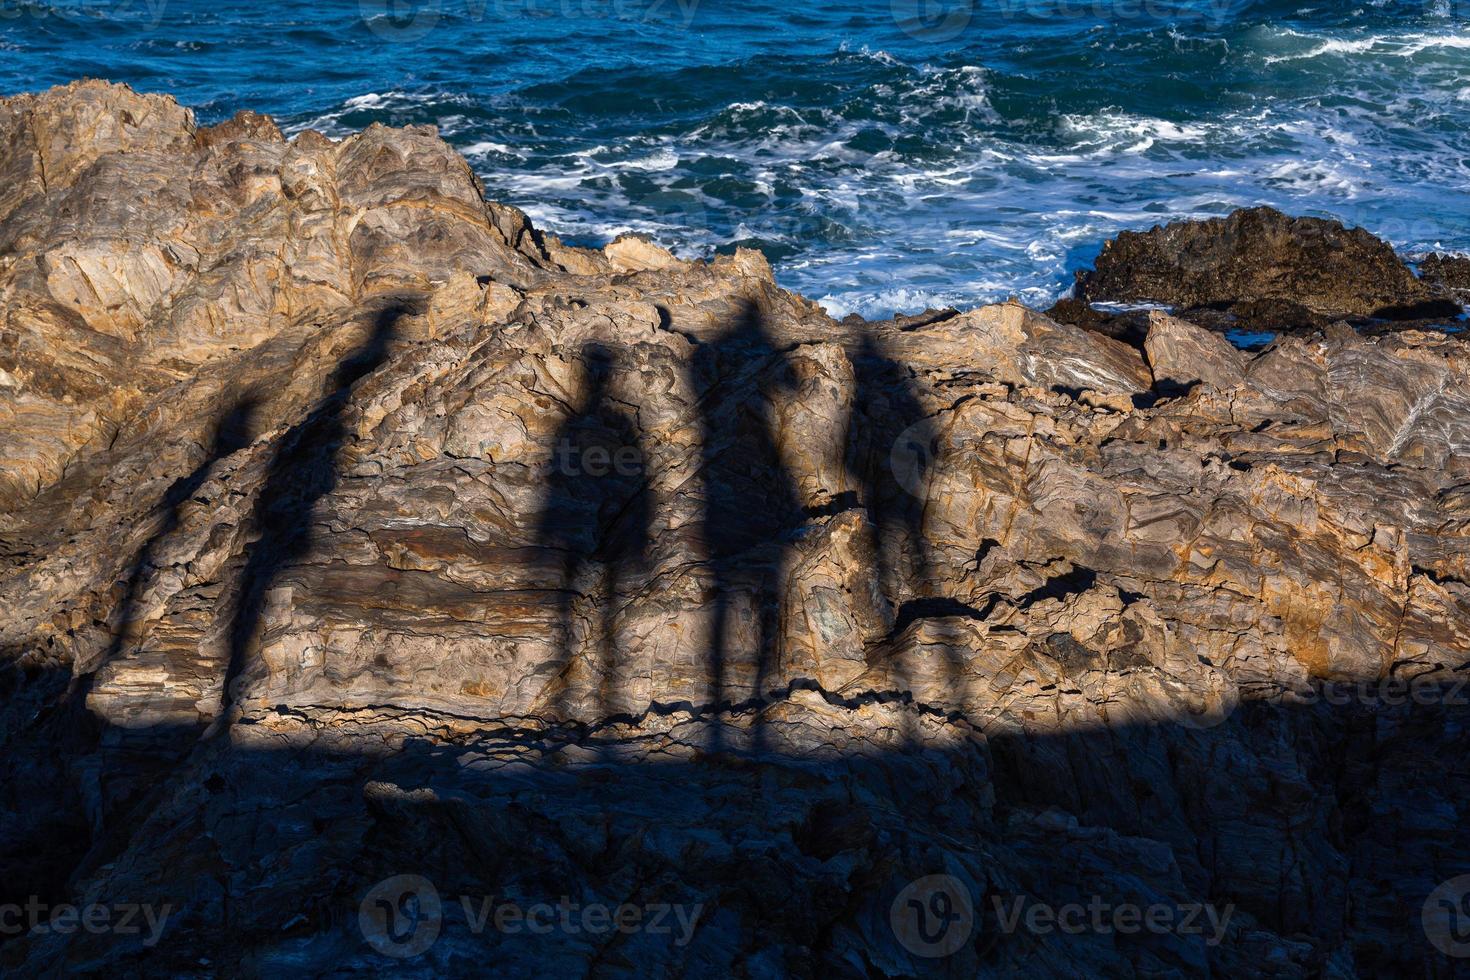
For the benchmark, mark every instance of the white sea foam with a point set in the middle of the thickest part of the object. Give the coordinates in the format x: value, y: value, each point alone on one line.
x: 886, y: 302
x: 483, y: 147
x: 386, y: 103
x: 1312, y: 176
x: 662, y: 159
x: 880, y: 56
x: 1115, y: 131
x: 1388, y: 45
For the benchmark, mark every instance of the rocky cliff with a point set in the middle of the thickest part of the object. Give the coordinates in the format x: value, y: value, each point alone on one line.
x: 351, y: 528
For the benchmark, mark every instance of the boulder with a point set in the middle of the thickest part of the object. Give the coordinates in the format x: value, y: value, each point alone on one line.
x: 1268, y: 269
x: 1181, y: 354
x: 1449, y: 272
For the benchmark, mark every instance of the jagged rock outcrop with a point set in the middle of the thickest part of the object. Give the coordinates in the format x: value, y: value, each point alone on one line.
x: 1179, y: 353
x: 352, y: 529
x: 1265, y: 269
x: 1449, y: 272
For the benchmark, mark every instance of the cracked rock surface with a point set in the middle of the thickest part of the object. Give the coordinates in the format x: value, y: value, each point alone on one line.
x: 350, y: 527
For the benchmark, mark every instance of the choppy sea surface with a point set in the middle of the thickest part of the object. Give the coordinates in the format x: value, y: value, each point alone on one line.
x: 887, y: 155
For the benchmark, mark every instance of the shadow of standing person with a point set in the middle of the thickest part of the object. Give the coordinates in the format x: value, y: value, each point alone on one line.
x: 595, y: 518
x: 302, y: 472
x: 751, y: 504
x: 891, y: 455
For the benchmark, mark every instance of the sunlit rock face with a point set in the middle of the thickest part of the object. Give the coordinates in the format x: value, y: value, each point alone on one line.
x: 352, y: 528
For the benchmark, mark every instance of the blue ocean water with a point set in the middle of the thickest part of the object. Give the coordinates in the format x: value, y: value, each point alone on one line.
x: 887, y: 155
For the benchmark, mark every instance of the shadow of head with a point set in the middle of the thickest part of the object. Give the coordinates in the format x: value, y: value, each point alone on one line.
x: 373, y: 352
x: 598, y: 363
x: 236, y: 429
x: 749, y: 325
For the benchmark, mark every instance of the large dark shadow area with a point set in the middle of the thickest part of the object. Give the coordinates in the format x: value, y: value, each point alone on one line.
x: 1322, y: 828
x: 892, y: 446
x: 232, y: 433
x: 47, y: 799
x: 75, y: 791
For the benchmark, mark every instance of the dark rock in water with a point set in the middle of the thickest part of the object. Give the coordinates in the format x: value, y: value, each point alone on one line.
x: 1131, y: 327
x: 1276, y: 314
x: 1450, y: 272
x: 1266, y: 269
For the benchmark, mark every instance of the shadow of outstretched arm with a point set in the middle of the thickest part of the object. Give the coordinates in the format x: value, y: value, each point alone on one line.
x: 232, y: 433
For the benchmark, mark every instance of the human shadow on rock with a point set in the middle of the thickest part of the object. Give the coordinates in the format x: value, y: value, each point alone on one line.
x: 751, y: 506
x: 594, y: 522
x: 892, y: 446
x: 302, y: 472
